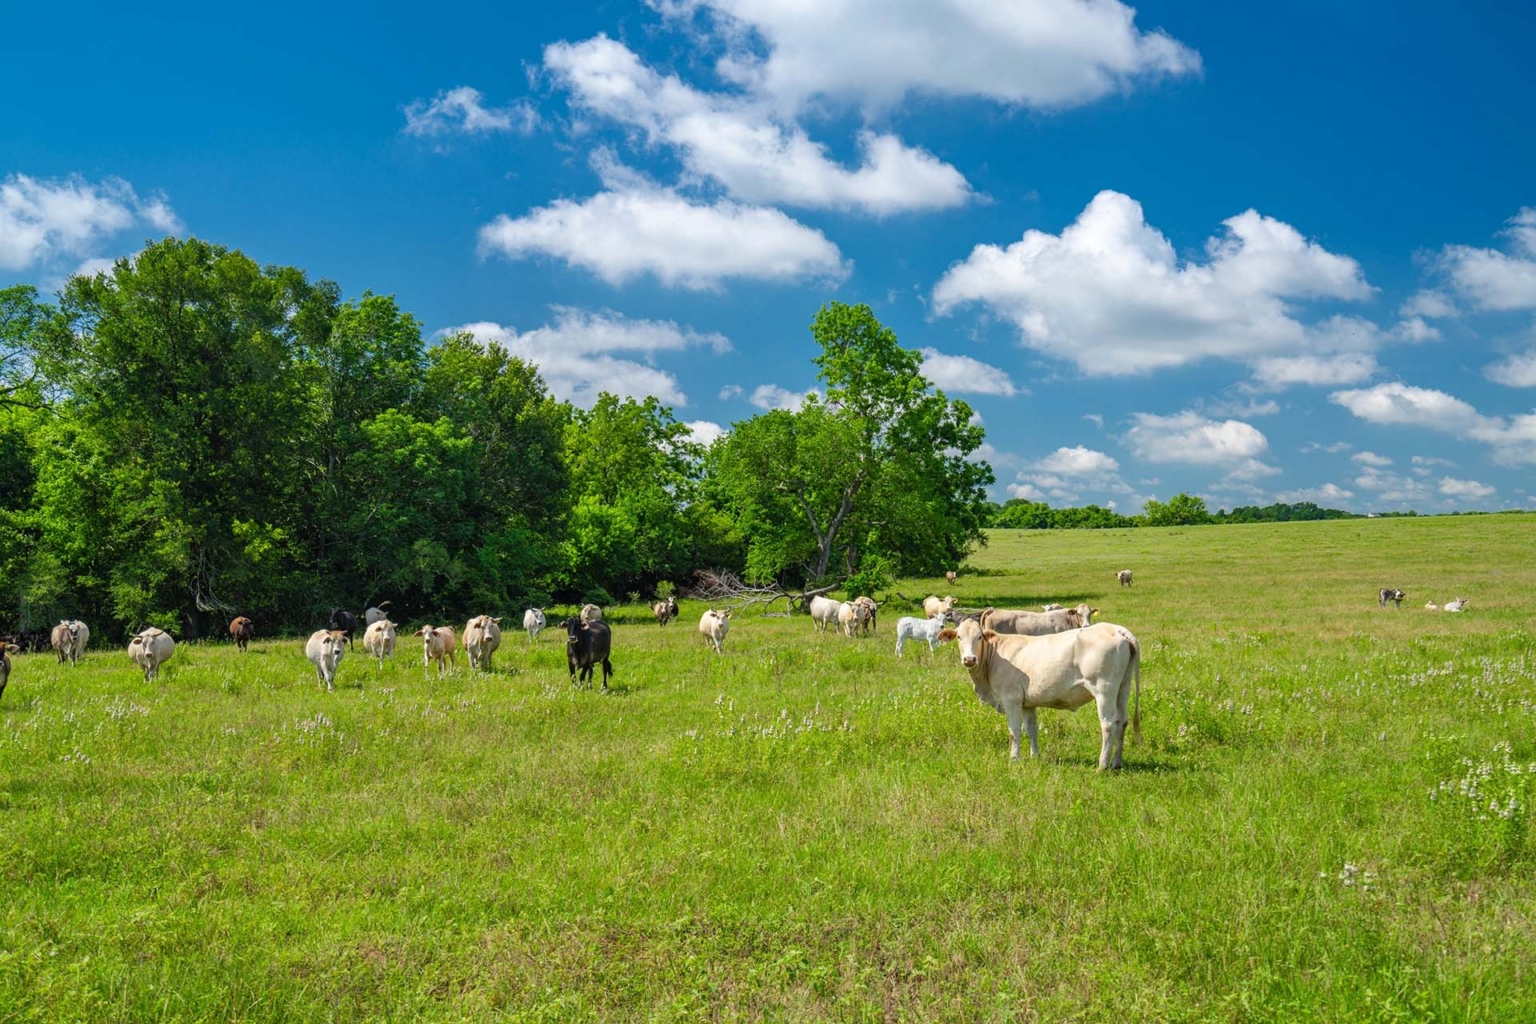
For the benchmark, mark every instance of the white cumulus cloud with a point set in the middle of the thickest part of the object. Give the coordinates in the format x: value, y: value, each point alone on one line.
x: 1188, y: 437
x: 1035, y: 53
x: 1454, y: 488
x: 1515, y: 371
x: 460, y: 110
x: 1067, y: 474
x: 635, y: 227
x: 1111, y: 295
x: 1512, y: 438
x: 739, y: 142
x: 1371, y: 459
x: 705, y: 432
x: 964, y: 375
x: 771, y: 396
x: 1329, y: 492
x: 582, y: 353
x: 42, y: 219
x: 1492, y: 279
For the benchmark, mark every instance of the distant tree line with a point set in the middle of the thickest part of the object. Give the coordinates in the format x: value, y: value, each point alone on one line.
x: 1180, y: 510
x: 191, y: 436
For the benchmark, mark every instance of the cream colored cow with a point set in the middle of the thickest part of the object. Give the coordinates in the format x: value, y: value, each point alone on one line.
x: 481, y: 638
x: 714, y: 625
x: 379, y: 640
x: 150, y: 649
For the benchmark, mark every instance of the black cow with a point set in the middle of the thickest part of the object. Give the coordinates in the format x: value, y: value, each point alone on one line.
x: 343, y: 620
x: 586, y: 644
x: 6, y: 650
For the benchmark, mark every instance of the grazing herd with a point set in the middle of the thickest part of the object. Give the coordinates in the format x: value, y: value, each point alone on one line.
x: 1018, y: 660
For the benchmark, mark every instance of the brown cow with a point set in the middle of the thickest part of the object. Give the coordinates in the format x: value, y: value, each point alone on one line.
x: 242, y: 629
x: 6, y: 650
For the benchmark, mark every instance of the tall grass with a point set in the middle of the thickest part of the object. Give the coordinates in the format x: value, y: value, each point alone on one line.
x: 1328, y: 819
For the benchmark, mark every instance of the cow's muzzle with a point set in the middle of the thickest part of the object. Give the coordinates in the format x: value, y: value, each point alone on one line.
x: 968, y: 660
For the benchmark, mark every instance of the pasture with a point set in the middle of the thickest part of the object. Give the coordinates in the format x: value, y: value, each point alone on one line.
x: 1328, y: 817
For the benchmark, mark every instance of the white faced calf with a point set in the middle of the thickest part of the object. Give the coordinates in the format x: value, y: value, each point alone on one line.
x: 437, y: 643
x: 324, y: 650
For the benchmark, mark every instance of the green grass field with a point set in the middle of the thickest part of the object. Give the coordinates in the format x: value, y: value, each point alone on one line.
x: 1328, y: 818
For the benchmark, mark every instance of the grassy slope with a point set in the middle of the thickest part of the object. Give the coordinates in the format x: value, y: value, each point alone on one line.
x: 807, y: 828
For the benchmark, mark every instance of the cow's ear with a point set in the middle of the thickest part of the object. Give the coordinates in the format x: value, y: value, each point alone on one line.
x: 1092, y: 612
x: 419, y: 632
x: 497, y: 620
x: 989, y: 635
x: 947, y: 634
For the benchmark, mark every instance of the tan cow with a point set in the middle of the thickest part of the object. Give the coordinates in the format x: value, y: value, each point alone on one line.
x: 379, y: 640
x: 242, y: 629
x: 950, y: 577
x: 1021, y: 623
x: 481, y: 638
x: 1124, y: 576
x: 1017, y: 674
x: 591, y: 613
x: 870, y: 611
x: 437, y: 643
x: 150, y: 649
x: 665, y: 611
x: 938, y: 606
x: 714, y: 625
x: 851, y: 616
x: 69, y: 638
x: 324, y: 650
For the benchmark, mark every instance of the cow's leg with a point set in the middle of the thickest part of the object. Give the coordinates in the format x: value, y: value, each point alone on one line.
x: 1110, y: 725
x: 607, y: 671
x: 1015, y: 715
x: 1032, y: 730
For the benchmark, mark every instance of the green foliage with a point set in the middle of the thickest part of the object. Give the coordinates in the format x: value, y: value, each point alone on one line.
x: 880, y: 467
x: 1180, y: 510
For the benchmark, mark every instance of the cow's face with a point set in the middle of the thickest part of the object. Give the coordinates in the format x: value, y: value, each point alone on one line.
x: 573, y: 629
x: 970, y: 637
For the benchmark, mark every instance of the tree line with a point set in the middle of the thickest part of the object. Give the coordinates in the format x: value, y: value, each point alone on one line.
x: 1180, y: 510
x: 191, y: 436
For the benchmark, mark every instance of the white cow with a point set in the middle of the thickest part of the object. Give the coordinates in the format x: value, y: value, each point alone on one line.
x: 1124, y: 576
x: 1052, y: 607
x: 1023, y: 623
x: 150, y: 649
x: 824, y: 612
x: 1430, y: 606
x: 714, y: 625
x: 324, y: 649
x: 851, y: 616
x: 1458, y: 605
x: 909, y: 628
x: 69, y: 638
x: 533, y: 622
x: 591, y: 613
x: 481, y: 638
x: 935, y: 605
x: 437, y: 643
x: 1017, y: 674
x: 379, y: 640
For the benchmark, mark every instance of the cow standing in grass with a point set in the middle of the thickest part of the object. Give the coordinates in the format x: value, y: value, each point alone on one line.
x: 714, y: 625
x: 69, y: 639
x: 241, y: 630
x: 379, y: 640
x: 1017, y: 674
x: 481, y: 638
x: 587, y: 644
x: 533, y: 622
x: 150, y: 649
x: 324, y: 650
x: 1390, y: 594
x: 437, y: 644
x: 6, y: 650
x: 665, y: 611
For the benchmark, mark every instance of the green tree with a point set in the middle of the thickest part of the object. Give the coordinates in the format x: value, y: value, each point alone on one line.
x: 881, y: 466
x: 1180, y: 510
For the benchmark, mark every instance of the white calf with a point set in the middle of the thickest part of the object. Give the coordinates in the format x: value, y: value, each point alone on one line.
x: 909, y: 628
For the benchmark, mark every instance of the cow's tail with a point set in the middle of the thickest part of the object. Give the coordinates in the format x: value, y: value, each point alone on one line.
x: 1136, y: 672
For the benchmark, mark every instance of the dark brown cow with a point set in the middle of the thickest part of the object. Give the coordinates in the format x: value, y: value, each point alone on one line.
x: 6, y: 650
x: 242, y: 629
x: 586, y: 645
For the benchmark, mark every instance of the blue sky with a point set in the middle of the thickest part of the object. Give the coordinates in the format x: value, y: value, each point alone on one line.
x: 1256, y: 252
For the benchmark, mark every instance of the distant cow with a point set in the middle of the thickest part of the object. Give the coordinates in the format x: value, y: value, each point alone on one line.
x: 714, y: 625
x: 824, y: 612
x: 379, y: 640
x: 437, y: 643
x: 910, y: 628
x: 375, y: 614
x: 870, y: 611
x: 1024, y: 623
x: 481, y: 638
x: 935, y: 605
x: 665, y: 611
x: 950, y: 577
x: 1391, y: 594
x: 1430, y: 606
x: 1458, y: 605
x: 242, y: 629
x: 69, y: 638
x: 6, y: 650
x: 343, y: 621
x: 851, y: 616
x: 587, y: 644
x: 533, y: 622
x: 1017, y: 674
x: 324, y: 650
x: 591, y: 613
x: 1124, y: 576
x: 150, y: 649
x: 1052, y: 607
